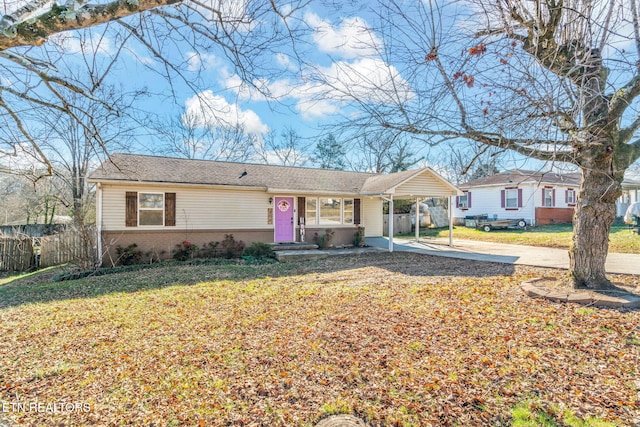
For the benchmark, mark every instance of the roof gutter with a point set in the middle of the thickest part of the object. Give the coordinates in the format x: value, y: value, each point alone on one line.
x: 175, y: 184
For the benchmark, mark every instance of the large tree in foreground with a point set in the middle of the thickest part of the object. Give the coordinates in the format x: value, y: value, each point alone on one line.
x: 553, y: 80
x: 169, y: 37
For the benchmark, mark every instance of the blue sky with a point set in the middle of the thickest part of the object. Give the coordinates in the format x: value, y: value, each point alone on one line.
x: 340, y: 44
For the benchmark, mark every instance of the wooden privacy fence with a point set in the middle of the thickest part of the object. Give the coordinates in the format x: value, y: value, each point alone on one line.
x: 401, y: 224
x: 16, y: 254
x: 19, y: 253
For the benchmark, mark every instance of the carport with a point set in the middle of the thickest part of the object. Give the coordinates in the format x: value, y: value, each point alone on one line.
x: 417, y: 184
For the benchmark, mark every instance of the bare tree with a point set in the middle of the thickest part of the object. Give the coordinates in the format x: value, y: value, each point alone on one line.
x: 553, y: 80
x: 186, y: 136
x: 382, y: 151
x: 31, y: 63
x: 287, y: 149
x: 459, y: 163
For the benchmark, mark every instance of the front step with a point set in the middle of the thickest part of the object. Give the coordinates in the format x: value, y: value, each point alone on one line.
x: 292, y: 246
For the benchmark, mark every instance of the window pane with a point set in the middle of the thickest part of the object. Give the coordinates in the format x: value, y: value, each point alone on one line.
x: 462, y: 201
x: 310, y: 211
x: 348, y: 211
x: 512, y: 198
x: 151, y: 217
x: 330, y: 211
x: 151, y: 200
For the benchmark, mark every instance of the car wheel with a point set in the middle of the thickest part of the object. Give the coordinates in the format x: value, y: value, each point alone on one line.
x: 522, y: 224
x: 487, y: 228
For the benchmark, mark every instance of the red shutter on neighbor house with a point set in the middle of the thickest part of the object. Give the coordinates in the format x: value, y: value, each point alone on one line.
x: 131, y: 209
x: 502, y: 197
x: 457, y: 201
x: 566, y: 196
x: 356, y: 211
x: 469, y: 199
x: 302, y: 208
x: 170, y: 209
x: 553, y: 197
x: 519, y: 197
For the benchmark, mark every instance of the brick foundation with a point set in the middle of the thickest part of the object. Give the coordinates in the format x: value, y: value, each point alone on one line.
x: 162, y: 243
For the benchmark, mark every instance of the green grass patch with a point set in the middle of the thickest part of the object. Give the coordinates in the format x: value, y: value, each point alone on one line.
x: 535, y: 414
x: 621, y: 239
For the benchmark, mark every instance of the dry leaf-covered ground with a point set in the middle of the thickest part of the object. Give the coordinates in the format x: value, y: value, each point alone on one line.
x: 397, y: 339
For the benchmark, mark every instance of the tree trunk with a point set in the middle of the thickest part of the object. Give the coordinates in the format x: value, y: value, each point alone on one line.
x: 594, y: 214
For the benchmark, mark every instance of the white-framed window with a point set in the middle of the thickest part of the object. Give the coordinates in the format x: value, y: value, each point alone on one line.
x: 571, y: 196
x: 330, y: 211
x: 463, y: 201
x: 511, y: 198
x: 547, y: 197
x: 311, y: 211
x: 347, y: 211
x: 150, y: 209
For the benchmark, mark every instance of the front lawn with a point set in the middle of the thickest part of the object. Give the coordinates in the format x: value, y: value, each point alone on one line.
x: 398, y: 339
x: 555, y: 236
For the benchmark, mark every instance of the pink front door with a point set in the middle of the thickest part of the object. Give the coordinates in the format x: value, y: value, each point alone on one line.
x: 283, y: 213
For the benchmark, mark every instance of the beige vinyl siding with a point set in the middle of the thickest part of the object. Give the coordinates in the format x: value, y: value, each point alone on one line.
x: 196, y: 208
x: 424, y: 185
x: 371, y: 210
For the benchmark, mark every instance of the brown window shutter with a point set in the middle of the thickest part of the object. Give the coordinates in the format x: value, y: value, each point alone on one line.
x: 169, y: 209
x: 356, y: 211
x: 302, y: 208
x: 131, y: 211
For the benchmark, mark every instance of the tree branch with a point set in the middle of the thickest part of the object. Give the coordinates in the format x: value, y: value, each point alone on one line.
x: 623, y: 98
x: 27, y: 135
x: 634, y: 151
x: 62, y: 18
x: 527, y: 147
x: 626, y: 134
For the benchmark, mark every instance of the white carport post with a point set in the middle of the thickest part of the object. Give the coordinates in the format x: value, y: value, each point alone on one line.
x: 391, y: 223
x: 417, y: 219
x: 450, y: 221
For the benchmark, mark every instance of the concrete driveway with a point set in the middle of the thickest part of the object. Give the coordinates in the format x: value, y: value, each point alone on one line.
x: 505, y: 253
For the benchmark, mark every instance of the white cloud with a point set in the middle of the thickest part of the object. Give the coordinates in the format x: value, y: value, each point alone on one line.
x: 369, y: 80
x: 209, y: 109
x: 72, y: 44
x: 232, y: 12
x: 284, y: 61
x: 353, y: 38
x: 365, y: 80
x: 316, y: 108
x: 200, y: 61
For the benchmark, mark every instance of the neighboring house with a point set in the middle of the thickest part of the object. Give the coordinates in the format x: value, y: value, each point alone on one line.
x: 158, y: 202
x: 630, y: 194
x: 538, y: 197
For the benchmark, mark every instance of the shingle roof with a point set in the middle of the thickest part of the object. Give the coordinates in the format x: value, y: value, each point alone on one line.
x: 381, y: 183
x: 143, y: 168
x: 518, y: 176
x: 153, y: 169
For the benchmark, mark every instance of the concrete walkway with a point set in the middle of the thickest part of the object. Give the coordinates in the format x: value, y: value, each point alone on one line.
x: 505, y: 253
